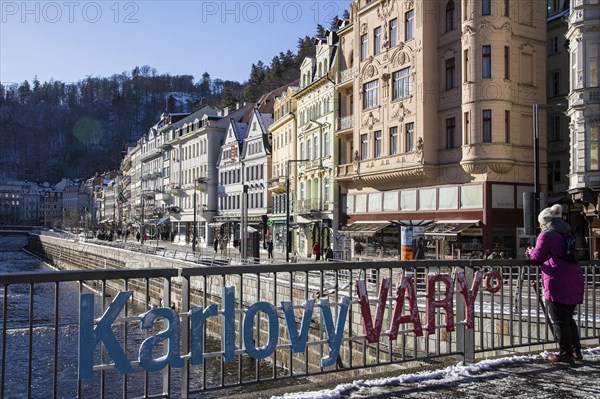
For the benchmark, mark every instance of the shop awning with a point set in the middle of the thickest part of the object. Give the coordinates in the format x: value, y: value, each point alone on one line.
x: 364, y: 229
x: 162, y: 220
x: 448, y: 229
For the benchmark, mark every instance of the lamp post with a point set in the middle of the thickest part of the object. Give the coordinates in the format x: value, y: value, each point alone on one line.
x: 194, y: 232
x: 288, y: 240
x: 536, y: 154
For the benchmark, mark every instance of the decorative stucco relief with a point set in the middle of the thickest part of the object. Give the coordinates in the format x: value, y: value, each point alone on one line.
x: 371, y: 119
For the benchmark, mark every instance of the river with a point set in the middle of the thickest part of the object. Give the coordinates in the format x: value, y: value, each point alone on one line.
x: 14, y: 260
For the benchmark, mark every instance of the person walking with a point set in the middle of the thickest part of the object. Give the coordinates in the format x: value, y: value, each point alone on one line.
x: 270, y: 248
x: 317, y: 251
x: 562, y: 280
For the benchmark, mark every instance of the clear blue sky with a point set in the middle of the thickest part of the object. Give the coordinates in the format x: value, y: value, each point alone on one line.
x: 69, y: 40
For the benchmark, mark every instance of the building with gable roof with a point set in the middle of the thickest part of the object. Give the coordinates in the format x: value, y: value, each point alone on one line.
x: 316, y: 197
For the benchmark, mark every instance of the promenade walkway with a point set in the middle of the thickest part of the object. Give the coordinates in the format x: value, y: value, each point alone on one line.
x: 527, y: 377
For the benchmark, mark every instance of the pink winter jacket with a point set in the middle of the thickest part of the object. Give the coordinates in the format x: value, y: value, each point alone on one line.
x: 563, y: 280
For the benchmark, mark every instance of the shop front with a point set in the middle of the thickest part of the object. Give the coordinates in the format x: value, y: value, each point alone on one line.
x: 278, y: 235
x: 371, y: 239
x: 454, y: 240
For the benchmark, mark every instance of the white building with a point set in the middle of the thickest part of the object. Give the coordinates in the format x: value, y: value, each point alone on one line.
x: 583, y: 36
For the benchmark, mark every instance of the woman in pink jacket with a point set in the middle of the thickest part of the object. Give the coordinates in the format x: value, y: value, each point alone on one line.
x: 563, y: 282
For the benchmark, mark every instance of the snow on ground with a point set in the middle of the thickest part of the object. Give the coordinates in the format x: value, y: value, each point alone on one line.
x: 518, y: 376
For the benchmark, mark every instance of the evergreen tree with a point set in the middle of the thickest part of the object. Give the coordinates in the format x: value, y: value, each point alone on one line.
x: 254, y: 86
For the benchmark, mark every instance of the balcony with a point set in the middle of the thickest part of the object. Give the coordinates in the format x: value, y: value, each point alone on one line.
x: 345, y: 78
x: 156, y: 152
x: 277, y: 185
x: 310, y: 205
x: 164, y: 197
x: 174, y: 188
x: 345, y: 124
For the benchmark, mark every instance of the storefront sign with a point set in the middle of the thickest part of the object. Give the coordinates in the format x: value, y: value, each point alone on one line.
x: 93, y: 331
x: 472, y: 232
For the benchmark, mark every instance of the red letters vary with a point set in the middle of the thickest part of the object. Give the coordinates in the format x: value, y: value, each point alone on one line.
x: 406, y: 289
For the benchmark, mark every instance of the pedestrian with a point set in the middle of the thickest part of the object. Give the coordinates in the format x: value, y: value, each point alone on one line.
x: 317, y: 251
x: 270, y: 248
x: 562, y: 280
x: 358, y: 248
x: 138, y: 236
x: 329, y: 255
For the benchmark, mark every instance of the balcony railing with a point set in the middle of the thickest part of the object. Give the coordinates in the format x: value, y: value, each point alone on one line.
x: 309, y: 205
x: 346, y: 122
x: 346, y: 75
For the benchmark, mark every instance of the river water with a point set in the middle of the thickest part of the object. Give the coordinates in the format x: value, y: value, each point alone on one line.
x: 14, y: 260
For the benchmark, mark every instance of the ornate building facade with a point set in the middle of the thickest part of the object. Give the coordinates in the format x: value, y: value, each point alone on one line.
x: 440, y: 94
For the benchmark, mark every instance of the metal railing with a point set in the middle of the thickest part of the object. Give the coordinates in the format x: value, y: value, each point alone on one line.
x: 256, y: 334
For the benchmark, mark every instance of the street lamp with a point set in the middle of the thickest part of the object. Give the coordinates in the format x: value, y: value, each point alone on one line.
x: 536, y: 154
x: 288, y: 245
x: 194, y: 229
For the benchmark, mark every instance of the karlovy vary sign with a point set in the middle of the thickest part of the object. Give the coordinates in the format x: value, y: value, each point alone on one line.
x: 92, y: 331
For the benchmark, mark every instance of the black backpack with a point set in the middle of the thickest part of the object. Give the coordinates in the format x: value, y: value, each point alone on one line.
x: 571, y: 253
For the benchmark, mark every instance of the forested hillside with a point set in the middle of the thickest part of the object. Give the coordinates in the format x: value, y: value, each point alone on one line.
x: 50, y: 130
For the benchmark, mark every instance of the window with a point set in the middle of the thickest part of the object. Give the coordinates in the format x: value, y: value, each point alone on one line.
x: 450, y: 10
x: 554, y: 175
x: 450, y: 71
x: 409, y: 28
x: 315, y: 149
x: 302, y: 151
x: 466, y: 65
x: 506, y: 62
x: 401, y: 84
x: 378, y: 147
x: 574, y: 83
x: 370, y: 94
x: 377, y: 40
x: 486, y: 7
x: 555, y: 83
x: 450, y: 129
x: 364, y: 47
x: 309, y: 148
x: 487, y: 125
x: 394, y: 32
x: 486, y: 62
x: 553, y: 45
x: 594, y: 147
x: 507, y: 126
x: 393, y: 140
x: 506, y: 8
x: 593, y: 48
x: 326, y: 144
x: 554, y: 133
x: 364, y: 146
x: 410, y: 136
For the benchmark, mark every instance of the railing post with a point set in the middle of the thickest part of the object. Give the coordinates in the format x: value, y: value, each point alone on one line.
x: 185, y: 345
x: 465, y: 338
x: 166, y: 374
